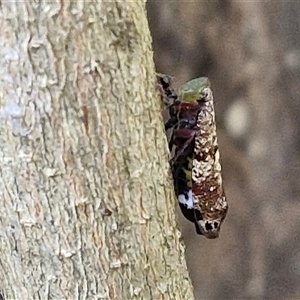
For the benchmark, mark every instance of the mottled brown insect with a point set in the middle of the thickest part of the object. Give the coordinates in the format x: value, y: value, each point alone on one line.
x: 196, y: 163
x: 207, y: 188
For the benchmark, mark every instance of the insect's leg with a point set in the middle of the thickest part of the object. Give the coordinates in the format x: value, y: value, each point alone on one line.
x: 184, y: 133
x: 171, y: 142
x: 171, y: 122
x: 164, y: 84
x: 164, y: 80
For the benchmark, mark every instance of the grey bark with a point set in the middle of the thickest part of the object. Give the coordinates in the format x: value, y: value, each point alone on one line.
x: 87, y: 207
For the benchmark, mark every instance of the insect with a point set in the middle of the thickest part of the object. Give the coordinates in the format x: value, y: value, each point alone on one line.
x: 196, y: 164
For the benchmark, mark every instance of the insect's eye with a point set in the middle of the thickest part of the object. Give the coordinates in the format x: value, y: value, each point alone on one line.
x: 216, y: 224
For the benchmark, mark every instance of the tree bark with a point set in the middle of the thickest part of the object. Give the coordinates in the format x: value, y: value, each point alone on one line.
x: 87, y: 208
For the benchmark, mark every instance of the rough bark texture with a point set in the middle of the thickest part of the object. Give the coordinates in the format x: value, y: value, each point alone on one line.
x: 85, y: 189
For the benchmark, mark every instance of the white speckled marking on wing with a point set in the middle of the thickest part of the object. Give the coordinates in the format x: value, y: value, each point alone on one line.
x: 206, y: 172
x: 187, y: 200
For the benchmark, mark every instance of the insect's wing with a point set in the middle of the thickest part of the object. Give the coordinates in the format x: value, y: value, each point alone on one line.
x: 207, y: 187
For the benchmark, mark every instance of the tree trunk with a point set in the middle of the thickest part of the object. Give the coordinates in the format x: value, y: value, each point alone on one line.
x: 87, y: 208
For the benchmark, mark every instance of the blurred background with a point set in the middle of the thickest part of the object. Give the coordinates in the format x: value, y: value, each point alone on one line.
x: 250, y: 50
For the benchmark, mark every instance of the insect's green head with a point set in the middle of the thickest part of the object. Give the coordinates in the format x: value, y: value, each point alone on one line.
x: 194, y: 90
